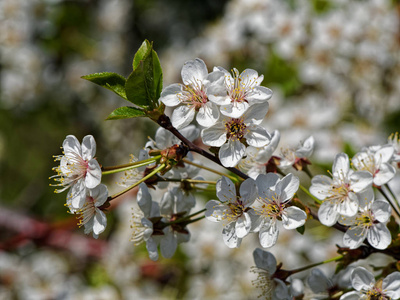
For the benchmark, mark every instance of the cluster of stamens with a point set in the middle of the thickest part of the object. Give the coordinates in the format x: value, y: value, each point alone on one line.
x: 263, y: 282
x: 271, y: 208
x: 234, y: 212
x: 138, y: 229
x: 235, y: 129
x: 238, y: 92
x: 86, y: 212
x: 193, y: 95
x: 376, y: 294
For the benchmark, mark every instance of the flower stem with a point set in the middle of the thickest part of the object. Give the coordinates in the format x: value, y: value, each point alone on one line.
x: 307, y: 171
x: 186, y: 218
x: 186, y: 161
x: 188, y: 180
x: 391, y: 193
x: 309, y: 194
x: 155, y: 171
x: 125, y: 167
x: 315, y: 265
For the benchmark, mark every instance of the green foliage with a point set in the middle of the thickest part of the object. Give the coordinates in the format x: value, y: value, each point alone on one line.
x: 321, y: 6
x: 111, y: 81
x: 143, y: 86
x: 301, y: 229
x: 126, y: 112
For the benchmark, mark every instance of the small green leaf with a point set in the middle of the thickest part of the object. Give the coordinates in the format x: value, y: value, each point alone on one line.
x: 143, y: 86
x: 301, y: 229
x: 112, y: 81
x: 126, y: 112
x: 143, y: 51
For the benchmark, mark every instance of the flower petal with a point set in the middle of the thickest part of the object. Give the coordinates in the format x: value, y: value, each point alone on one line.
x: 100, y: 222
x: 243, y: 225
x: 226, y: 191
x: 360, y: 180
x: 234, y: 109
x: 349, y: 206
x: 259, y: 94
x: 354, y: 237
x: 214, y: 210
x: 194, y: 71
x: 88, y: 147
x: 248, y: 192
x: 294, y: 218
x: 182, y: 116
x: 257, y: 136
x: 151, y: 247
x: 169, y: 96
x: 352, y: 296
x: 208, y: 114
x: 168, y: 244
x: 214, y: 136
x: 93, y: 174
x: 385, y: 174
x: 71, y: 144
x: 321, y: 186
x: 379, y: 236
x: 144, y: 199
x: 341, y: 165
x: 391, y: 285
x: 361, y: 279
x: 287, y: 187
x: 268, y: 235
x: 265, y: 260
x: 327, y: 214
x: 229, y: 236
x: 99, y: 194
x: 231, y: 153
x: 381, y: 210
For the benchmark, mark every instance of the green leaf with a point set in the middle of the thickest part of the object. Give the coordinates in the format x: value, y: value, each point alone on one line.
x: 301, y: 229
x: 143, y: 87
x: 112, y: 81
x: 126, y: 112
x: 143, y: 51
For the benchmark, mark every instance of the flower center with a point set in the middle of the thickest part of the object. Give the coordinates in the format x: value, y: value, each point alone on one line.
x: 86, y: 212
x: 194, y: 95
x: 376, y: 294
x: 239, y: 91
x: 235, y: 129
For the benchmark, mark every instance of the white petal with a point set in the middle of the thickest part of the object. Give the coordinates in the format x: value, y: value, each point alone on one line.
x: 352, y: 296
x: 318, y: 282
x: 226, y: 190
x: 281, y: 291
x: 88, y: 147
x: 231, y: 153
x: 229, y: 236
x: 354, y: 237
x: 257, y: 221
x: 361, y: 279
x: 257, y: 136
x: 360, y: 180
x: 93, y: 174
x: 259, y: 94
x: 327, y: 214
x: 249, y: 78
x: 214, y: 136
x: 208, y: 114
x: 71, y: 144
x: 265, y: 182
x: 307, y: 148
x: 182, y: 116
x: 248, y: 192
x: 341, y: 165
x: 235, y: 109
x: 214, y: 210
x: 77, y: 194
x: 348, y: 207
x: 167, y: 204
x: 265, y: 260
x: 384, y: 154
x: 100, y: 222
x: 169, y: 96
x: 255, y: 113
x: 268, y: 235
x: 144, y: 199
x: 287, y: 187
x: 365, y: 198
x: 391, y: 285
x: 295, y: 217
x: 243, y: 225
x: 168, y: 244
x: 194, y: 71
x: 151, y: 247
x: 381, y: 210
x: 385, y: 174
x: 99, y: 194
x: 321, y: 186
x: 379, y: 236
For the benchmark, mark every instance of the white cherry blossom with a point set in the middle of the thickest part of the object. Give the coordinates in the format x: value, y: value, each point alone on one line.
x: 232, y: 210
x: 90, y: 215
x: 368, y: 223
x: 376, y: 160
x: 240, y: 92
x: 78, y: 169
x: 339, y: 192
x: 297, y: 157
x: 367, y: 288
x: 228, y: 133
x: 271, y: 207
x: 394, y: 140
x: 191, y: 96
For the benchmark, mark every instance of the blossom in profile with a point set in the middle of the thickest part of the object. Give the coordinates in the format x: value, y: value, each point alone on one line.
x: 191, y: 97
x: 272, y: 206
x: 339, y: 193
x: 367, y: 288
x: 239, y: 92
x: 376, y: 160
x: 78, y: 169
x: 297, y: 157
x: 368, y: 223
x: 233, y: 210
x: 271, y: 287
x: 90, y: 214
x: 143, y: 219
x: 231, y: 133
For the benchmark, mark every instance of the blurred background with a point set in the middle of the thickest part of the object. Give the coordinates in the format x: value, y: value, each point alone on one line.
x: 334, y: 69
